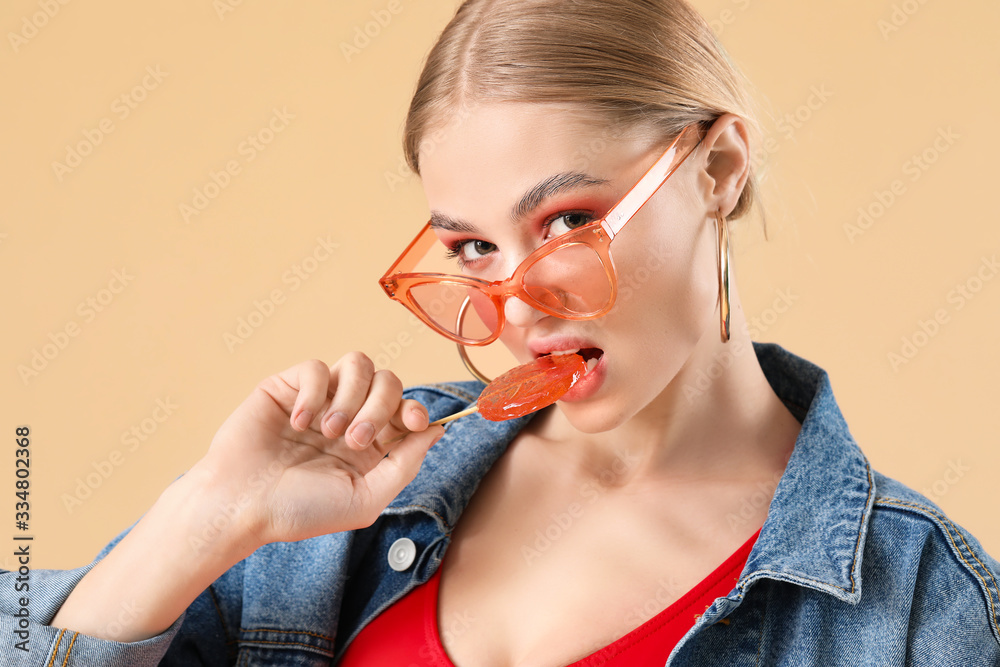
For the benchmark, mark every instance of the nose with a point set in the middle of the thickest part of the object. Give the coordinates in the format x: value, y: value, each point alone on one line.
x: 520, y: 314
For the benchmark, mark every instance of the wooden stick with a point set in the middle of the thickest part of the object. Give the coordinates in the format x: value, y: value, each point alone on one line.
x: 443, y: 420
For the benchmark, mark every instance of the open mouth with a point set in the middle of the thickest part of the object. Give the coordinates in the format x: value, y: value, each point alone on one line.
x: 592, y: 355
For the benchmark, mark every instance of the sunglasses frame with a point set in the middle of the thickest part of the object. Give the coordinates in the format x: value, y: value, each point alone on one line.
x: 398, y: 280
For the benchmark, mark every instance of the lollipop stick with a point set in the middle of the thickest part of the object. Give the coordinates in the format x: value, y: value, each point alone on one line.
x: 443, y: 420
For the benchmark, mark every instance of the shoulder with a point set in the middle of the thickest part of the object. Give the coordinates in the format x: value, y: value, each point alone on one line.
x: 917, y: 555
x: 903, y: 513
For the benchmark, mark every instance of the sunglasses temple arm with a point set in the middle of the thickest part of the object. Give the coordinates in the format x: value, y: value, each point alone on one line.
x: 651, y: 181
x: 443, y: 420
x: 414, y: 252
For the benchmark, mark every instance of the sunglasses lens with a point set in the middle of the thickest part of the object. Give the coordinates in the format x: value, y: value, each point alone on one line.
x: 442, y: 303
x: 572, y: 281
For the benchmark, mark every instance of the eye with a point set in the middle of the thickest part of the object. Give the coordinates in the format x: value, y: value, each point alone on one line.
x: 566, y: 222
x: 469, y: 252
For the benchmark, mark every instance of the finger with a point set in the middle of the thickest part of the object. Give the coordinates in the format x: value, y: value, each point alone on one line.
x: 351, y: 379
x: 383, y: 400
x: 311, y: 379
x: 411, y: 416
x: 398, y: 468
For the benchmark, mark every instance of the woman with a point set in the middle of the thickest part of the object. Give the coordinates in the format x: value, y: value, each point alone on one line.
x: 694, y: 499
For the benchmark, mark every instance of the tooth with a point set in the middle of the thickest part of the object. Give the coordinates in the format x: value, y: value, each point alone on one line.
x: 591, y: 363
x: 566, y: 351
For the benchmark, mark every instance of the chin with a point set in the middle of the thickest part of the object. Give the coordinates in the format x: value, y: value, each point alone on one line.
x: 596, y: 416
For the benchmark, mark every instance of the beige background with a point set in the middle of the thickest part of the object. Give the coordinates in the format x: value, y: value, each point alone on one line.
x: 227, y: 66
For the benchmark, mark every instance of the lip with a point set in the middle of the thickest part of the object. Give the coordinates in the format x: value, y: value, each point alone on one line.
x: 541, y: 346
x: 589, y: 384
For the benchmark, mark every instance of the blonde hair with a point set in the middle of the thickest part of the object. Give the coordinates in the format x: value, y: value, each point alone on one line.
x: 651, y: 64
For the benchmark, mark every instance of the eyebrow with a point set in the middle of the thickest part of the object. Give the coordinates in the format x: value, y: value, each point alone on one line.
x: 531, y: 200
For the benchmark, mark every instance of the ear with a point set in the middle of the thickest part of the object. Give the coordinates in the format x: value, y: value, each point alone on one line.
x: 725, y: 164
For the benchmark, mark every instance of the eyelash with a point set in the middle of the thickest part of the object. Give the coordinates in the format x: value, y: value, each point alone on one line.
x: 454, y: 250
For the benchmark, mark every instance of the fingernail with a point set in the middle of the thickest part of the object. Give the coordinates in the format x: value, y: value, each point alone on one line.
x: 363, y: 433
x: 304, y: 419
x: 337, y: 423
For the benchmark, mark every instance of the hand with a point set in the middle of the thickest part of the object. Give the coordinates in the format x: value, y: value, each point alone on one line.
x: 282, y: 462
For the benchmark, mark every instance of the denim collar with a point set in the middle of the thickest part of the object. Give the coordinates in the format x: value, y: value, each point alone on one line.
x: 816, y: 525
x: 818, y: 517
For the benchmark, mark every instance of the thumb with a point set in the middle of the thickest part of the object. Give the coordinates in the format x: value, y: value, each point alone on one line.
x: 400, y: 466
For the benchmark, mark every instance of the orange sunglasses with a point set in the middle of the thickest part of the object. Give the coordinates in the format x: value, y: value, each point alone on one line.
x: 571, y: 276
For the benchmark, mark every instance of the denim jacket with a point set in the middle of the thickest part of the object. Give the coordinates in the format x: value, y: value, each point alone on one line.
x: 850, y: 568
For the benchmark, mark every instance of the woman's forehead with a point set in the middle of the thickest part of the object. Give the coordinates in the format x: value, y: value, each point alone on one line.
x: 496, y: 153
x: 497, y: 125
x: 529, y: 127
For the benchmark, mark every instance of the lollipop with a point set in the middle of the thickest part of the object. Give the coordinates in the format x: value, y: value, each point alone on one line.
x: 525, y: 389
x: 531, y: 386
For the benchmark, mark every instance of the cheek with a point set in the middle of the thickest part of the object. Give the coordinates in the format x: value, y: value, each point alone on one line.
x: 670, y: 266
x: 665, y: 295
x: 650, y: 278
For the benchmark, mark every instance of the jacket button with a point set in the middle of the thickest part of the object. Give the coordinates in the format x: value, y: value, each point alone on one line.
x: 401, y: 554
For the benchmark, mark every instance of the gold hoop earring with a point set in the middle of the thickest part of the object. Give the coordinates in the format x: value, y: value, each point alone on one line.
x: 461, y: 348
x: 723, y: 274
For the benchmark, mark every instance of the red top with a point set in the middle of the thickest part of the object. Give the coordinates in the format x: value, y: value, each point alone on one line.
x: 407, y: 633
